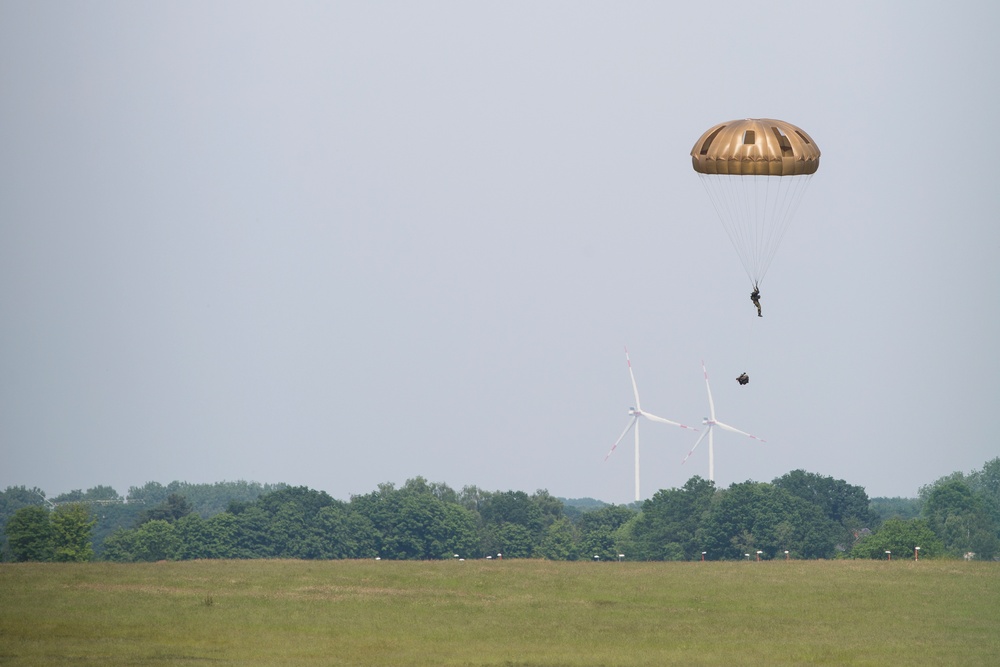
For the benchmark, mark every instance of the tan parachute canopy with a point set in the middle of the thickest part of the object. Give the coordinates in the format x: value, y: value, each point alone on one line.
x: 755, y: 147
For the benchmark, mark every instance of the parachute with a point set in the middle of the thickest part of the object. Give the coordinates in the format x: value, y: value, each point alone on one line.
x: 755, y: 172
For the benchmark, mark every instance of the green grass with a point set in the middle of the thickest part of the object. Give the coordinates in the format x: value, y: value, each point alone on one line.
x: 503, y: 613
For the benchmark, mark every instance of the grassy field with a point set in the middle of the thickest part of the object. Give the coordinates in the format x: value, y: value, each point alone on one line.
x: 516, y: 613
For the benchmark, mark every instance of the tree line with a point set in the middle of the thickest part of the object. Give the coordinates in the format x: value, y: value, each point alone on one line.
x: 800, y: 515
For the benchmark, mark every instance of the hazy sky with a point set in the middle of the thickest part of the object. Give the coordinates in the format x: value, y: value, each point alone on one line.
x: 337, y: 244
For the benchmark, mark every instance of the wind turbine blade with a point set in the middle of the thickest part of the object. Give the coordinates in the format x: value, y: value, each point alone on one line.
x: 711, y: 403
x: 698, y: 442
x: 631, y: 423
x: 635, y: 389
x: 736, y: 430
x: 666, y: 421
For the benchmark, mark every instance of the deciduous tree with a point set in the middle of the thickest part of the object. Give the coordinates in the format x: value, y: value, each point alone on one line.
x: 900, y: 536
x: 957, y: 516
x: 774, y: 519
x: 29, y: 534
x: 71, y: 532
x: 668, y: 526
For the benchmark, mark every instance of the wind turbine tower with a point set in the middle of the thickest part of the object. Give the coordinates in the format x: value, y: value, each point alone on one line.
x: 711, y: 422
x: 635, y: 413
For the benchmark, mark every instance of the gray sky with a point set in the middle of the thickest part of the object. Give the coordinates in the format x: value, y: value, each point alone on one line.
x: 339, y: 244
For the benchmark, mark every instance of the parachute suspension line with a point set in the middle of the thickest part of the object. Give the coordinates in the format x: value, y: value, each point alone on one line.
x: 771, y: 190
x: 735, y: 203
x: 756, y: 212
x: 790, y: 190
x: 742, y: 222
x: 761, y: 199
x: 722, y: 193
x: 772, y: 194
x: 751, y: 221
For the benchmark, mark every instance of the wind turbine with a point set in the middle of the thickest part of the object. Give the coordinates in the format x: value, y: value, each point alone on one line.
x: 711, y: 423
x: 635, y: 413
